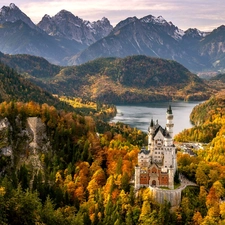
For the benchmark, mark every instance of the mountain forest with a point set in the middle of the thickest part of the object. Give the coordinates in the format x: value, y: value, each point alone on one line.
x: 133, y: 79
x: 62, y: 162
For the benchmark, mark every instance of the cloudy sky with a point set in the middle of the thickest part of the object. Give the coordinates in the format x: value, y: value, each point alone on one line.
x: 202, y: 14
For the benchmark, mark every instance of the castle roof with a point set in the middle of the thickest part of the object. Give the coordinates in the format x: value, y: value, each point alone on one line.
x: 155, y: 128
x: 144, y: 151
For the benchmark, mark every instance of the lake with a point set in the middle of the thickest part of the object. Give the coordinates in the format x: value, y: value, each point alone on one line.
x: 140, y: 115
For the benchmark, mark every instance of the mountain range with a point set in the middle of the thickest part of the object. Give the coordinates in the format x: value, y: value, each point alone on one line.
x: 66, y: 39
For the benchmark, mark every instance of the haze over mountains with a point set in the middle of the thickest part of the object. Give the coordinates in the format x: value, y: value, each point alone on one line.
x: 65, y: 39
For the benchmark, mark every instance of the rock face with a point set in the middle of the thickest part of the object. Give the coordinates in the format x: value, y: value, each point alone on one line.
x: 12, y: 13
x: 5, y: 127
x: 55, y: 39
x: 28, y: 144
x: 65, y: 25
x: 38, y: 134
x: 151, y: 36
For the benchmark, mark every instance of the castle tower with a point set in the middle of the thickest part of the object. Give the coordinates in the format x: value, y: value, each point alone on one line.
x: 150, y: 134
x: 169, y: 127
x: 169, y: 121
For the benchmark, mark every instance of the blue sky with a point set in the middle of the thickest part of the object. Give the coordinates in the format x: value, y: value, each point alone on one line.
x: 205, y: 15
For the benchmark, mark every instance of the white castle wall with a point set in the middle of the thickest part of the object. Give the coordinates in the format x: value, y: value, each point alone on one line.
x: 172, y: 196
x: 162, y: 195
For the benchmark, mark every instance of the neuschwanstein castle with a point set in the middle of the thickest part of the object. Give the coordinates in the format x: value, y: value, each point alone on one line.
x: 157, y: 164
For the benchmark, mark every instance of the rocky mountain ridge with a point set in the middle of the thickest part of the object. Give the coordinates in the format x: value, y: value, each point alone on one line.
x: 158, y: 38
x: 62, y: 36
x: 66, y: 39
x: 12, y: 14
x: 65, y: 24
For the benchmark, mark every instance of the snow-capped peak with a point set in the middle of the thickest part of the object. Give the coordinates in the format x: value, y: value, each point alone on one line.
x: 195, y: 32
x: 178, y: 34
x: 12, y: 14
x: 154, y: 20
x: 201, y: 33
x: 12, y: 6
x: 160, y: 19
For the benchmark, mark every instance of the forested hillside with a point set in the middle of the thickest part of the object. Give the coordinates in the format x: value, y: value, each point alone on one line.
x: 82, y: 178
x: 207, y: 168
x: 30, y: 65
x: 14, y: 87
x: 114, y: 80
x: 208, y: 119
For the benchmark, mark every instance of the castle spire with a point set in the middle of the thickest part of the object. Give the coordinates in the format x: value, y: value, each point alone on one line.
x: 169, y: 125
x: 169, y: 110
x: 152, y: 123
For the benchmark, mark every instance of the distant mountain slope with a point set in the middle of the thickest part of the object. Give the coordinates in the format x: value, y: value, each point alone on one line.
x: 19, y: 35
x: 212, y: 47
x: 19, y: 38
x: 12, y: 14
x: 130, y: 80
x: 13, y: 87
x: 132, y: 37
x: 220, y: 77
x: 30, y: 65
x: 65, y: 25
x: 66, y: 39
x: 149, y: 36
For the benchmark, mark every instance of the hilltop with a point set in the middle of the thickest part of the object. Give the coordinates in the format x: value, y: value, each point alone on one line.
x: 133, y: 79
